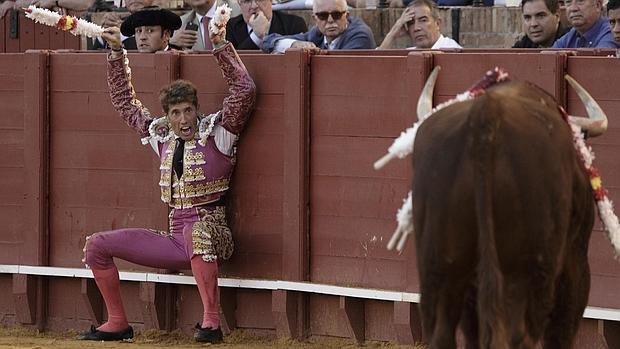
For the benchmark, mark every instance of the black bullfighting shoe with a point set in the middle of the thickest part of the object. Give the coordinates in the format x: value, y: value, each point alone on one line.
x: 94, y: 335
x: 208, y: 335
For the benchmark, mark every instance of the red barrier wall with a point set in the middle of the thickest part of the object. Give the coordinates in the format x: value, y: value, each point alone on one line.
x: 306, y: 203
x: 597, y: 75
x: 18, y: 34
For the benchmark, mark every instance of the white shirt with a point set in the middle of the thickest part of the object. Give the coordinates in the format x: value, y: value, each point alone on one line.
x: 443, y: 42
x: 284, y: 44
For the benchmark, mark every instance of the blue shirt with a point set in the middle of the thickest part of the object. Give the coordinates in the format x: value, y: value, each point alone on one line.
x: 598, y: 36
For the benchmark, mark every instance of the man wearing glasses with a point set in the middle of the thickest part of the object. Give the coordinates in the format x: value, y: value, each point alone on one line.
x: 334, y: 30
x: 589, y: 30
x: 257, y: 19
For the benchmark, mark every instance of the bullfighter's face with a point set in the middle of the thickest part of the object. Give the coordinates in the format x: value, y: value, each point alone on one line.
x: 183, y: 118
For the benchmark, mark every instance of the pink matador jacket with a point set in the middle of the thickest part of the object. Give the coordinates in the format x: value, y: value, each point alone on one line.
x: 206, y: 170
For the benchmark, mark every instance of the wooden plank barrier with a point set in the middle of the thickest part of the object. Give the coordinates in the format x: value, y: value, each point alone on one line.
x: 310, y: 216
x: 19, y: 34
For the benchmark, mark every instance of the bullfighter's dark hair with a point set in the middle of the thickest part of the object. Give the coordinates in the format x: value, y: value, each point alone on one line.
x: 178, y: 91
x: 613, y: 4
x: 552, y: 5
x: 432, y: 5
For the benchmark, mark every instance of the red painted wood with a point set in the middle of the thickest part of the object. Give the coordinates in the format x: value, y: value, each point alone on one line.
x: 41, y: 35
x: 352, y: 207
x: 296, y: 173
x: 605, y: 274
x: 544, y: 70
x: 72, y: 42
x: 35, y: 235
x: 13, y: 209
x: 3, y: 32
x: 56, y: 39
x: 27, y: 33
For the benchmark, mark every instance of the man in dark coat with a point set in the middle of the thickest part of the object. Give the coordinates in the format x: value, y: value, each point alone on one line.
x: 541, y: 23
x: 257, y: 19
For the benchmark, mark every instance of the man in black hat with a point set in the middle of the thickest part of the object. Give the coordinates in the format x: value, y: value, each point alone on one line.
x: 114, y: 18
x: 153, y: 27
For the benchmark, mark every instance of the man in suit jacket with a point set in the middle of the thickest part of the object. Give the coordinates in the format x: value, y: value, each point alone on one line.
x: 334, y: 30
x: 192, y: 36
x: 257, y: 19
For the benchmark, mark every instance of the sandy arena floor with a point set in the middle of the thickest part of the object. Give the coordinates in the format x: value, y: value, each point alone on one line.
x: 25, y: 338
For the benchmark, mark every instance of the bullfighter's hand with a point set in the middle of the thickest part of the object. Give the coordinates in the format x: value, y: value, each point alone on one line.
x: 184, y: 38
x: 5, y: 7
x: 113, y: 36
x: 218, y: 39
x: 259, y: 24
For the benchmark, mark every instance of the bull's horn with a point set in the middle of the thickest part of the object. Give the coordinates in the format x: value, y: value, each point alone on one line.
x: 596, y: 123
x: 425, y: 102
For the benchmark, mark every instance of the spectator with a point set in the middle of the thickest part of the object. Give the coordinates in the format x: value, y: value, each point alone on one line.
x: 257, y: 19
x: 613, y: 14
x: 115, y: 19
x: 152, y: 26
x: 541, y: 23
x: 192, y: 36
x: 334, y: 30
x: 590, y: 29
x: 421, y: 22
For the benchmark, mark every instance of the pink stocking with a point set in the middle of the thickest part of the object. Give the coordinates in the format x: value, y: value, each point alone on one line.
x: 110, y: 287
x: 205, y: 274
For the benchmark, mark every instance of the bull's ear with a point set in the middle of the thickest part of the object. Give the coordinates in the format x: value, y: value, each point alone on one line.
x: 596, y: 123
x: 425, y: 102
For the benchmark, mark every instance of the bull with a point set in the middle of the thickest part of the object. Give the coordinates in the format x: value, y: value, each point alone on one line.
x: 502, y: 216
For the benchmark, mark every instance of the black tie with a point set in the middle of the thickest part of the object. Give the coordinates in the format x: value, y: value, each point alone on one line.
x: 177, y: 158
x: 581, y: 41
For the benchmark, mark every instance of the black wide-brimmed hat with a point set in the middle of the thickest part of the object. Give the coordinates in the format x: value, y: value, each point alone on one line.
x: 151, y: 15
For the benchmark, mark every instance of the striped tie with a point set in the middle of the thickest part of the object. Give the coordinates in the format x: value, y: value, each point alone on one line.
x: 205, y: 33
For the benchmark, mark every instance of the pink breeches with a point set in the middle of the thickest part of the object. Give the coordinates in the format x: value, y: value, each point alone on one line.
x: 146, y: 247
